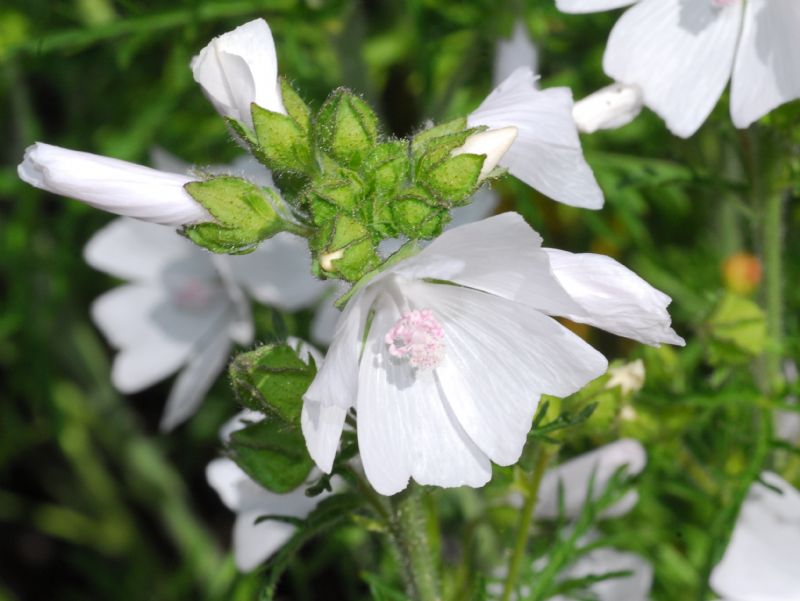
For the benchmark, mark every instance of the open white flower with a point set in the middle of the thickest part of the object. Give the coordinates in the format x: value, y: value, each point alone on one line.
x: 112, y: 185
x: 681, y: 54
x: 184, y: 308
x: 458, y: 349
x: 605, y: 560
x: 760, y: 563
x: 573, y: 477
x: 546, y: 153
x: 238, y: 68
x: 515, y: 52
x: 254, y: 543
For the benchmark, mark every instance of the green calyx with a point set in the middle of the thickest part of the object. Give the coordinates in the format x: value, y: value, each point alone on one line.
x: 244, y: 215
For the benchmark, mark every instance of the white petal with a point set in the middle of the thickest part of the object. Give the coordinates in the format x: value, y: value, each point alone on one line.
x: 590, y: 6
x: 405, y: 428
x: 322, y: 428
x: 574, y: 476
x: 613, y: 297
x: 238, y: 422
x: 501, y: 255
x: 254, y: 543
x: 196, y: 379
x: 164, y: 160
x: 760, y: 563
x: 547, y: 153
x: 336, y: 383
x: 112, y: 185
x: 135, y: 250
x: 323, y: 327
x: 238, y: 68
x: 494, y: 143
x: 226, y: 478
x: 279, y: 273
x: 518, y: 51
x: 608, y: 108
x: 500, y: 356
x: 679, y: 52
x: 483, y: 204
x: 635, y: 587
x: 155, y: 336
x: 766, y: 72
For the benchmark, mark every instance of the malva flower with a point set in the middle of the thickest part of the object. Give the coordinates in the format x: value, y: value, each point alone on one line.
x: 682, y: 53
x: 546, y: 152
x: 239, y: 68
x: 608, y: 108
x: 458, y: 345
x: 254, y: 542
x: 112, y: 185
x: 760, y: 562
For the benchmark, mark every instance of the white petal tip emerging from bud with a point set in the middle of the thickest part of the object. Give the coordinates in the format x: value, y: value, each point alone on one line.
x: 494, y: 143
x: 326, y: 260
x: 608, y: 108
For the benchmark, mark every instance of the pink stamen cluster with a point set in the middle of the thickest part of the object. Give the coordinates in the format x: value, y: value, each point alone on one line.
x: 193, y: 294
x: 419, y: 337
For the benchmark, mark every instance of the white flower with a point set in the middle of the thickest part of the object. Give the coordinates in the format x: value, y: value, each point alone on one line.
x: 629, y: 377
x: 760, y: 563
x: 494, y: 143
x: 517, y: 51
x: 254, y: 543
x: 112, y: 185
x: 605, y: 560
x: 681, y: 53
x: 458, y: 350
x: 547, y: 153
x: 608, y: 108
x: 184, y: 308
x: 573, y: 477
x: 238, y: 68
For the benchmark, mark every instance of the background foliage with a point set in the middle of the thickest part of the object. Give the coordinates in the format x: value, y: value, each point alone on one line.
x: 96, y: 499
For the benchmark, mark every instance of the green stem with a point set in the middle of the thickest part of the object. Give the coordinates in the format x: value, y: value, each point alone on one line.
x: 533, y: 482
x: 772, y: 242
x: 408, y: 528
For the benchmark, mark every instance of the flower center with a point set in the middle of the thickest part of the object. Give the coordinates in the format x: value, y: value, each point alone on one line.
x: 419, y: 337
x: 193, y: 294
x: 722, y: 3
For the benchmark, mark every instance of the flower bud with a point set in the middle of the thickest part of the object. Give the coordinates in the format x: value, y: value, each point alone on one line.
x: 239, y: 68
x: 629, y: 377
x: 608, y: 108
x: 112, y: 185
x: 346, y: 128
x: 494, y: 143
x: 742, y: 273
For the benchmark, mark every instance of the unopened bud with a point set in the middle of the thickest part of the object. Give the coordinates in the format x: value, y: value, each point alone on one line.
x: 326, y: 260
x: 629, y: 377
x: 608, y: 108
x: 741, y: 273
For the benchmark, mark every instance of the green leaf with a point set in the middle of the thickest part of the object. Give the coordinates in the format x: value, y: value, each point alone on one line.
x: 244, y: 215
x: 738, y: 324
x: 283, y: 145
x: 346, y: 127
x: 272, y: 379
x: 273, y: 454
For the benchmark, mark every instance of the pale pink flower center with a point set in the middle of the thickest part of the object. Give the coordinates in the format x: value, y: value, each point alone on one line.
x: 418, y: 337
x: 723, y: 3
x: 194, y: 294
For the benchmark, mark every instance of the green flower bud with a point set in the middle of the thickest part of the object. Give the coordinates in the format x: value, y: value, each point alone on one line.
x: 346, y: 249
x: 346, y: 128
x: 416, y: 215
x: 244, y: 215
x: 341, y: 191
x: 423, y: 139
x: 283, y: 144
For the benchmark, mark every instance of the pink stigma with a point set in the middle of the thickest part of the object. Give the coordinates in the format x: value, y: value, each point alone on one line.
x: 418, y: 336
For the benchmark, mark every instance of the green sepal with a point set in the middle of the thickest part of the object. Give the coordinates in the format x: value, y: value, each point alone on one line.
x: 387, y: 166
x: 454, y: 179
x: 346, y: 128
x: 282, y: 143
x: 340, y: 191
x: 298, y: 110
x: 273, y: 454
x: 416, y: 215
x: 272, y: 379
x: 241, y: 130
x: 244, y: 215
x: 423, y: 139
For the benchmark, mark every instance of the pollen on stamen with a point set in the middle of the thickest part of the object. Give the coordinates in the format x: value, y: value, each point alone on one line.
x: 418, y: 337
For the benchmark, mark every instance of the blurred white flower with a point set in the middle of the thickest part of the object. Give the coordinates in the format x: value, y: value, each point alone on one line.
x: 458, y: 349
x: 760, y: 563
x: 517, y: 51
x: 629, y: 377
x: 681, y: 54
x: 787, y: 422
x: 238, y: 68
x: 573, y: 477
x: 254, y: 543
x: 546, y: 153
x: 608, y: 108
x: 112, y: 185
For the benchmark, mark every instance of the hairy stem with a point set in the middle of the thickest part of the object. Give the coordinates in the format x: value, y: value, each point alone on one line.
x: 533, y: 482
